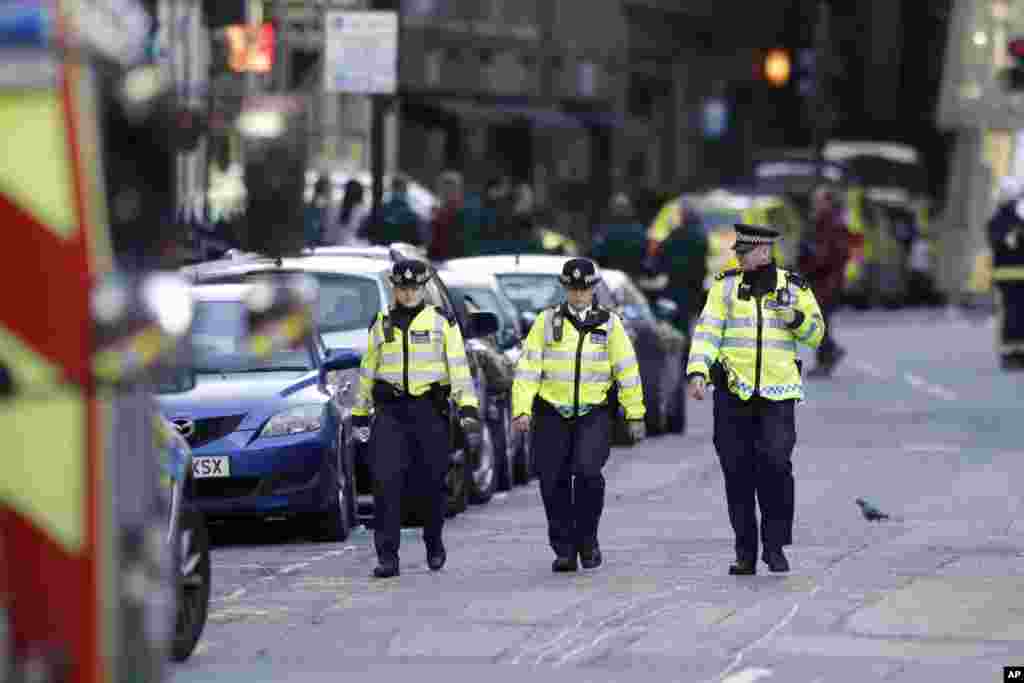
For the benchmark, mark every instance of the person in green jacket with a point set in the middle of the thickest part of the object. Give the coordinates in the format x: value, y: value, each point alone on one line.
x: 619, y: 244
x: 397, y: 222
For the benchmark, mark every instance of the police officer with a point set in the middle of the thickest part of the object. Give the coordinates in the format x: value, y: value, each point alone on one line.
x: 1006, y: 239
x: 414, y: 360
x: 745, y: 343
x: 571, y: 357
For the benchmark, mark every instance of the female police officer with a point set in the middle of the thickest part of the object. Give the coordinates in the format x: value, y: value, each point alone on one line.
x: 414, y: 358
x: 571, y: 357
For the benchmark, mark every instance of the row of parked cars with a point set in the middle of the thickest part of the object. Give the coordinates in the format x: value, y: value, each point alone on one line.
x: 271, y: 436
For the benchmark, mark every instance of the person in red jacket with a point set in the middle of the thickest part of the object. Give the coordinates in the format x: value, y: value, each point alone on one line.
x: 822, y: 261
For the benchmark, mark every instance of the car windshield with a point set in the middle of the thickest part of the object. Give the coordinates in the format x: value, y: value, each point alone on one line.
x: 532, y: 292
x: 219, y: 342
x: 488, y: 300
x: 346, y: 305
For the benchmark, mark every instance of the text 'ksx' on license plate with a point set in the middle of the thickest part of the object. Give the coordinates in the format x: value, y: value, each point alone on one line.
x: 211, y: 466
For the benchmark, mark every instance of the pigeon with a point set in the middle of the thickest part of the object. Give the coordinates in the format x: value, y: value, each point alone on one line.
x: 870, y: 512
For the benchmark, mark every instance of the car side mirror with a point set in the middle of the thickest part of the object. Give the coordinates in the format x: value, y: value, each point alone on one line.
x: 482, y: 324
x: 666, y: 309
x: 341, y: 359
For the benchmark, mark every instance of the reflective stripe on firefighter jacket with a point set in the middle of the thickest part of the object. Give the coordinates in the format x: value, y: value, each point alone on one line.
x: 430, y: 352
x: 756, y: 347
x: 574, y: 372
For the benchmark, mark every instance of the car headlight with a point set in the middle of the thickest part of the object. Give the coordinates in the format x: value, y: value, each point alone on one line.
x: 298, y: 420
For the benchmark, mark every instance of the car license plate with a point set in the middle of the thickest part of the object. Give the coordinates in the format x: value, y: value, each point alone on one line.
x: 204, y: 467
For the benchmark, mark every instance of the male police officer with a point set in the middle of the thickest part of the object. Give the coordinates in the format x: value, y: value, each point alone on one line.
x: 746, y: 343
x: 414, y: 359
x: 571, y: 357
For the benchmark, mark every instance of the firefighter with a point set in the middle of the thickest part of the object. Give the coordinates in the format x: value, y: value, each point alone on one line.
x: 1006, y: 239
x: 745, y: 343
x: 415, y: 360
x: 573, y: 354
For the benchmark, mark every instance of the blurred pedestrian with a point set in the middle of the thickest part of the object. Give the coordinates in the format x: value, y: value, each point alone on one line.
x: 822, y: 260
x: 683, y: 255
x: 397, y: 222
x: 571, y: 357
x: 620, y: 243
x: 1006, y: 240
x: 454, y: 226
x: 316, y: 213
x: 745, y: 344
x: 347, y: 230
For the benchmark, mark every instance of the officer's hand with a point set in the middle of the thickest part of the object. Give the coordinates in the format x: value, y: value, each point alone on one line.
x: 698, y: 389
x: 521, y: 424
x: 637, y: 430
x: 469, y: 420
x: 361, y: 428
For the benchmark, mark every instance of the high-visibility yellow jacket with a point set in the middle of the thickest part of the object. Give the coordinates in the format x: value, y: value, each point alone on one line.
x: 430, y: 352
x: 572, y: 367
x: 755, y: 346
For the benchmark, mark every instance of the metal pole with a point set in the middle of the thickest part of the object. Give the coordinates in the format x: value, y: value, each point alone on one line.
x: 822, y: 103
x: 379, y: 104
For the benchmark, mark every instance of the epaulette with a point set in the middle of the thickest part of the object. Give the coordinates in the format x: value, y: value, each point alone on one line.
x: 797, y: 279
x: 728, y: 273
x: 447, y: 315
x: 600, y: 314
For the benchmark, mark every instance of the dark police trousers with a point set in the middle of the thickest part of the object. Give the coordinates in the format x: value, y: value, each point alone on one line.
x: 409, y: 453
x: 755, y: 441
x: 1011, y: 318
x: 568, y: 456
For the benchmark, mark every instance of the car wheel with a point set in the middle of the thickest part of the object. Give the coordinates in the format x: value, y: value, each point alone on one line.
x: 458, y: 494
x: 482, y: 478
x: 192, y: 566
x: 677, y: 417
x: 336, y: 524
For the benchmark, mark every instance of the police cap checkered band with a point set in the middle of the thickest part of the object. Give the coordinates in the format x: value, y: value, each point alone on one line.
x: 409, y: 273
x: 579, y: 273
x: 750, y: 236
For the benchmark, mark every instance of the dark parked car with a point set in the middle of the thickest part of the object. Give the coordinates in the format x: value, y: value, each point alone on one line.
x: 531, y: 283
x: 497, y: 355
x: 352, y: 291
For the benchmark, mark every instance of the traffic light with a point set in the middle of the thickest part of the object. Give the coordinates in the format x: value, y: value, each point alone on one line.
x: 1013, y: 76
x: 777, y: 67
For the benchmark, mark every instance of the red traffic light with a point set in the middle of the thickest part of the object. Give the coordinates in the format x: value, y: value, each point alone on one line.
x: 1016, y: 48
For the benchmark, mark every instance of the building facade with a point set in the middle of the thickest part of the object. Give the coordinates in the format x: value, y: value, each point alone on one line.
x: 987, y: 119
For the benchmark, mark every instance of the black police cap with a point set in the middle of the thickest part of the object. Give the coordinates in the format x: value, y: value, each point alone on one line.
x: 409, y: 273
x: 579, y: 273
x: 750, y: 236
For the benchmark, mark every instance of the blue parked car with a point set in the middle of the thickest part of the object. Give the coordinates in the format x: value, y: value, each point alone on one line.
x: 269, y: 436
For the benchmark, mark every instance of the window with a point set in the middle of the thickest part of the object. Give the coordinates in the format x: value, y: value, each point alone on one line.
x: 220, y: 333
x: 490, y: 301
x: 532, y: 293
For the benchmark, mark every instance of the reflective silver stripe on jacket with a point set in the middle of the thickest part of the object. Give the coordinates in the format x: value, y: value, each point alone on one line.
x: 631, y: 382
x: 625, y: 364
x: 701, y: 358
x: 713, y: 338
x: 738, y: 343
x: 810, y: 332
x: 589, y: 356
x: 711, y: 321
x: 727, y: 287
x: 585, y: 377
x: 525, y: 375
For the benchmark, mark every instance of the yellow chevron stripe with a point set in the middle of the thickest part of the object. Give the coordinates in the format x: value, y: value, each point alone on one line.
x: 44, y: 464
x: 35, y: 171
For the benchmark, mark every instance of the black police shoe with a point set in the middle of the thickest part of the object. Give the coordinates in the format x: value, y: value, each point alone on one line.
x: 591, y: 559
x: 386, y: 568
x: 436, y: 559
x: 776, y: 560
x: 564, y: 564
x: 743, y: 567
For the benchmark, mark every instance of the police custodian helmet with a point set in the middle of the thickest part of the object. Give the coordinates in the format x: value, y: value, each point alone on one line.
x: 750, y: 236
x: 579, y: 273
x: 409, y: 273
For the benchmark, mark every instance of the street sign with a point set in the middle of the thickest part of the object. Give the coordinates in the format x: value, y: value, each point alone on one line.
x: 361, y: 52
